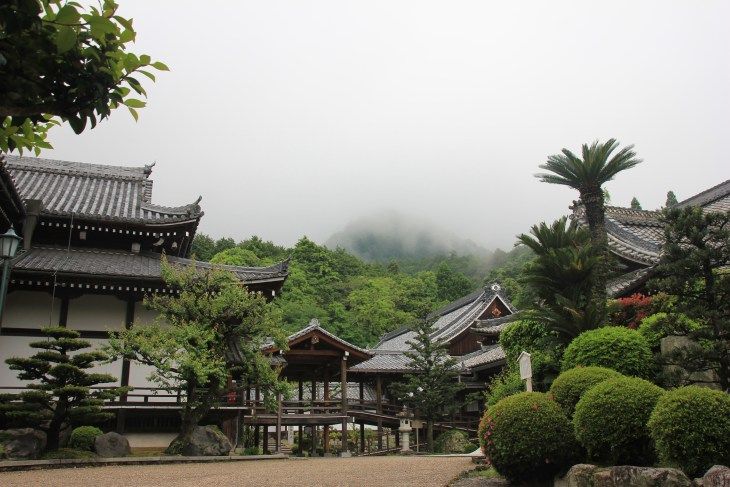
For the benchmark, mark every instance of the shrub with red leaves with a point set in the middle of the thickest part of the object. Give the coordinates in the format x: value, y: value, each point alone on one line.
x: 630, y: 311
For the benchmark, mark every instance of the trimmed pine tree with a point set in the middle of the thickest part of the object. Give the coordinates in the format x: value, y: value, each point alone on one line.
x: 60, y: 393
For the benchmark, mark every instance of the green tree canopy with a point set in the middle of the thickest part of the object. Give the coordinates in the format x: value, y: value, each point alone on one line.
x: 210, y: 312
x: 635, y: 203
x: 61, y: 60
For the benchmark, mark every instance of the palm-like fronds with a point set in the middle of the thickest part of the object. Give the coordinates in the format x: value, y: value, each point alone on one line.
x: 559, y: 234
x: 590, y: 172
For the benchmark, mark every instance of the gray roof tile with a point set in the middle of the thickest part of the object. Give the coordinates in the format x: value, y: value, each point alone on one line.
x: 100, y: 263
x: 95, y: 191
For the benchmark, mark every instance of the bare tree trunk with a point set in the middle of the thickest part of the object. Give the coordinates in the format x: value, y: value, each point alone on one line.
x: 595, y: 215
x: 53, y: 433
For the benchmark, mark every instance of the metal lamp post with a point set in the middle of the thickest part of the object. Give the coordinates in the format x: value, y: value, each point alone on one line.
x: 8, y: 247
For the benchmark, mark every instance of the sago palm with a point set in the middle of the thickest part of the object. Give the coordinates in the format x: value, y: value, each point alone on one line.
x: 587, y: 174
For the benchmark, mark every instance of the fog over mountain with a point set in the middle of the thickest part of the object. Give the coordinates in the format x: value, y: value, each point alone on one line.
x: 390, y: 235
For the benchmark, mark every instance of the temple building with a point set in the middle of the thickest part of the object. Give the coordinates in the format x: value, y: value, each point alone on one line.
x: 635, y: 237
x: 92, y: 246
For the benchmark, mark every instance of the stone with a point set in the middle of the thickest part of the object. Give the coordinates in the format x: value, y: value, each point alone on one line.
x: 111, y: 445
x: 207, y: 441
x: 584, y: 475
x: 579, y: 475
x: 22, y: 443
x: 717, y: 476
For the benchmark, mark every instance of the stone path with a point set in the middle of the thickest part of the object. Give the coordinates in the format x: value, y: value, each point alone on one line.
x: 325, y: 472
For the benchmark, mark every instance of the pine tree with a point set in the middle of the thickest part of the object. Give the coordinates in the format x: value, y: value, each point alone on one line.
x: 635, y: 203
x: 60, y: 394
x: 433, y: 385
x: 192, y: 353
x: 671, y: 200
x: 695, y: 259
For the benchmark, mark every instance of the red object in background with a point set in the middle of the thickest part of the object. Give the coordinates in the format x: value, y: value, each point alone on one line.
x: 631, y: 310
x: 232, y: 397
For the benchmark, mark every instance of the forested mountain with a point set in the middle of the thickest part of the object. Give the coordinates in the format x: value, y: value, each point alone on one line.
x: 355, y: 299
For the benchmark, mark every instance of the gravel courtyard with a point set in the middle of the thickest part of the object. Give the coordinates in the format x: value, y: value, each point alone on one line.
x: 369, y: 471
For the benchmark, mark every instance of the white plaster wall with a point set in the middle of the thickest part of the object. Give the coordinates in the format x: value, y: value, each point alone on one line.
x: 144, y: 316
x: 96, y: 312
x: 31, y: 309
x: 11, y: 346
x: 114, y: 369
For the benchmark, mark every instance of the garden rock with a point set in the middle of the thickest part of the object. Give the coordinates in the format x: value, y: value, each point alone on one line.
x: 717, y: 476
x: 112, y: 445
x: 22, y: 443
x: 207, y: 441
x: 580, y: 475
x: 584, y: 475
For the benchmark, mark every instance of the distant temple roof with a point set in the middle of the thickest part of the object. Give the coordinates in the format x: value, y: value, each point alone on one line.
x: 95, y: 192
x: 99, y: 264
x: 449, y: 323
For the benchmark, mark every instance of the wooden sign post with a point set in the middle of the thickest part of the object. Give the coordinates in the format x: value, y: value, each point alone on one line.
x: 525, y: 363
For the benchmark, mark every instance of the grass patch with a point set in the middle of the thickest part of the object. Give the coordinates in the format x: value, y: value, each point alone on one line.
x: 482, y: 473
x: 147, y: 452
x: 68, y: 453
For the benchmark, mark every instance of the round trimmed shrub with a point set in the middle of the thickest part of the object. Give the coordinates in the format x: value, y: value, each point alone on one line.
x: 453, y: 442
x: 610, y: 421
x: 82, y: 438
x: 622, y: 349
x: 691, y: 429
x: 527, y: 437
x: 569, y: 387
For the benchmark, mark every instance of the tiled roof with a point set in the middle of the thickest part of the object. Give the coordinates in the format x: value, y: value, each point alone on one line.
x: 384, y: 362
x: 314, y: 325
x: 628, y: 282
x: 449, y: 322
x: 493, y: 355
x: 716, y: 198
x: 94, y: 191
x: 494, y: 326
x: 98, y: 263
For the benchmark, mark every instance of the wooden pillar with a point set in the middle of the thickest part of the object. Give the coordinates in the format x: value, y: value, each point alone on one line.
x: 124, y: 379
x: 314, y: 427
x: 343, y: 394
x: 266, y: 439
x: 379, y: 408
x: 326, y: 428
x: 257, y: 428
x: 362, y: 438
x: 301, y: 428
x: 278, y: 423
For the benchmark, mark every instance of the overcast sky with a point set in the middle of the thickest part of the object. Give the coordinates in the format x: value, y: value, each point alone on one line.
x: 296, y: 117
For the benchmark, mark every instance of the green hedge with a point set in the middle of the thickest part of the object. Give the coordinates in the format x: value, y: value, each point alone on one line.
x: 691, y: 428
x: 660, y: 325
x: 569, y: 387
x: 621, y: 349
x: 82, y: 438
x: 527, y: 437
x: 610, y: 421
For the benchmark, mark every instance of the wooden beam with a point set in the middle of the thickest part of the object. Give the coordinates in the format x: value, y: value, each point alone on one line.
x: 379, y: 408
x: 343, y: 395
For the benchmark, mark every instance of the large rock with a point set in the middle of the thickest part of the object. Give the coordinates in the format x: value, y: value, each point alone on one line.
x: 717, y: 476
x: 583, y: 475
x: 22, y: 443
x: 111, y: 445
x: 207, y: 441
